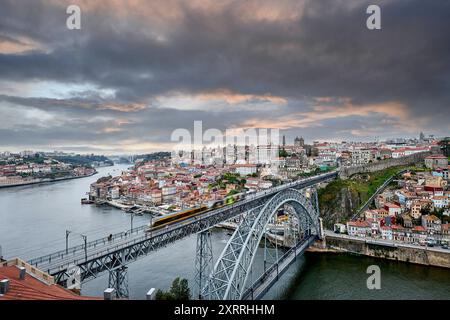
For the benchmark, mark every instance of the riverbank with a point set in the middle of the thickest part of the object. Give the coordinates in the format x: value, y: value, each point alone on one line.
x: 433, y: 256
x: 45, y: 181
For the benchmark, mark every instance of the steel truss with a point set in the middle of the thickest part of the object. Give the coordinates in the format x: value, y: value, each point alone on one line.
x: 203, y: 260
x: 100, y: 258
x: 118, y: 279
x: 129, y: 252
x: 230, y: 273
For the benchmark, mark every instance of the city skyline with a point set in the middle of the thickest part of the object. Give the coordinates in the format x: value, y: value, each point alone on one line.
x: 134, y: 73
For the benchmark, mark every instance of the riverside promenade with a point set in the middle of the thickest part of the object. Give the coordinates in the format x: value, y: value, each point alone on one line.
x: 39, y: 181
x: 385, y: 249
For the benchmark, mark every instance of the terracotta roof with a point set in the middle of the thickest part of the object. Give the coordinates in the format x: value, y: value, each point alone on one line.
x: 33, y: 289
x: 391, y: 205
x: 419, y: 228
x: 360, y: 224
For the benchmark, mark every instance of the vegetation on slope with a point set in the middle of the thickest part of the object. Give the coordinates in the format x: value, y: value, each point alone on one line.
x: 340, y: 199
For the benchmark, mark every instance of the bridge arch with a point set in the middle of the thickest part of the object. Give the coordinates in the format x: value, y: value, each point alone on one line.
x: 231, y: 271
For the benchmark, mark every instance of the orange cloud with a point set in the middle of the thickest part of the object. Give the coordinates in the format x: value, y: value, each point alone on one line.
x: 130, y: 107
x: 235, y: 98
x: 111, y: 130
x: 168, y: 14
x: 18, y: 45
x: 320, y: 113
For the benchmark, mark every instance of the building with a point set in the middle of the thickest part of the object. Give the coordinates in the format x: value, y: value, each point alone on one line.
x: 445, y: 146
x: 440, y: 202
x: 358, y: 228
x: 445, y: 231
x: 299, y: 142
x: 392, y: 208
x: 267, y: 153
x: 436, y: 161
x: 386, y: 232
x: 419, y: 234
x: 245, y: 169
x: 24, y: 282
x: 416, y: 208
x: 362, y: 156
x: 431, y: 223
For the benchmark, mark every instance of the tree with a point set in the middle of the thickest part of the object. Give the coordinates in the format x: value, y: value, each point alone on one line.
x: 161, y: 295
x: 282, y: 153
x: 178, y: 291
x: 426, y: 210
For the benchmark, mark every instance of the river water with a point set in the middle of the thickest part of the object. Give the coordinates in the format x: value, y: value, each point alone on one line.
x: 34, y: 219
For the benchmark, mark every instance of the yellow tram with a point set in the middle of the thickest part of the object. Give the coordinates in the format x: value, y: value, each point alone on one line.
x: 192, y: 212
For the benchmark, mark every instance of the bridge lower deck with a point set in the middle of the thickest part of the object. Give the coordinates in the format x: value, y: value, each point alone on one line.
x: 262, y: 285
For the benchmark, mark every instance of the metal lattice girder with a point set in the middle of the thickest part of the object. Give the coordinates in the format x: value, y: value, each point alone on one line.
x: 104, y: 256
x: 230, y: 273
x: 203, y: 260
x: 118, y: 279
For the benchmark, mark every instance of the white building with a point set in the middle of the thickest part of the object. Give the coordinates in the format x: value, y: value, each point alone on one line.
x: 245, y: 169
x: 358, y: 228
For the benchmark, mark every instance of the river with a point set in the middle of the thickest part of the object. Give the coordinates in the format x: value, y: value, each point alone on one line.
x: 34, y: 219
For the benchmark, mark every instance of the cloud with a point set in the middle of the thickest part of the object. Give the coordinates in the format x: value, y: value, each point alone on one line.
x: 309, y: 67
x: 20, y: 45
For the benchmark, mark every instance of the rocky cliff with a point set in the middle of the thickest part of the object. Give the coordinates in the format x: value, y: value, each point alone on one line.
x: 338, y: 201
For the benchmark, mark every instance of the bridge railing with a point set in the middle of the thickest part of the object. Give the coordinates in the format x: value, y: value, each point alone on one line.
x: 72, y: 250
x: 269, y: 270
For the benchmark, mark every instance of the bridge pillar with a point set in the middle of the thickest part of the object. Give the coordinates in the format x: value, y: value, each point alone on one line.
x: 118, y: 279
x: 203, y: 261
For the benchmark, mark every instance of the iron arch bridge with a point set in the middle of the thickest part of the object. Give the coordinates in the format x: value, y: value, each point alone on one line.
x: 79, y: 264
x: 231, y: 271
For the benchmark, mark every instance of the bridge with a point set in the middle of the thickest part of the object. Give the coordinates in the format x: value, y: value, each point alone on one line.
x: 229, y: 277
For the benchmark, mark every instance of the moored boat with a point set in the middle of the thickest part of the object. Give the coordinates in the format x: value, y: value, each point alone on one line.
x: 86, y: 201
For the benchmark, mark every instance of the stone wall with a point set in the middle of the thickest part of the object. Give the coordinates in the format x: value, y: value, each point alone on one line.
x: 421, y: 256
x: 347, y: 172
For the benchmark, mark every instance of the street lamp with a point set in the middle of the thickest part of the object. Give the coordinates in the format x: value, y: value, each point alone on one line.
x: 68, y: 232
x: 85, y: 245
x: 67, y: 240
x: 131, y: 222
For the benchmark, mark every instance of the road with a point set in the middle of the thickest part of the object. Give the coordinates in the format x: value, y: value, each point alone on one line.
x: 388, y: 243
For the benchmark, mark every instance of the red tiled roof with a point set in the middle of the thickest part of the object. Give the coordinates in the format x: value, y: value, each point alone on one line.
x: 33, y: 289
x: 391, y: 205
x: 361, y: 224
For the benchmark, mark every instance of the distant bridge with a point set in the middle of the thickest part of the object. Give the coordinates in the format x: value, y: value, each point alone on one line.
x: 85, y: 262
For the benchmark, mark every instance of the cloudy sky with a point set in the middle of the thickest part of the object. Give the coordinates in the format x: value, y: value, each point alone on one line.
x: 139, y: 69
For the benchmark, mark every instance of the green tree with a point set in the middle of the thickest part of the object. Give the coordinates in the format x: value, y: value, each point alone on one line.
x: 282, y: 153
x: 178, y: 291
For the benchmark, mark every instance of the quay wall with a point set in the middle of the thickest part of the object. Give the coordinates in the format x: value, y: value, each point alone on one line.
x: 423, y: 256
x: 42, y: 181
